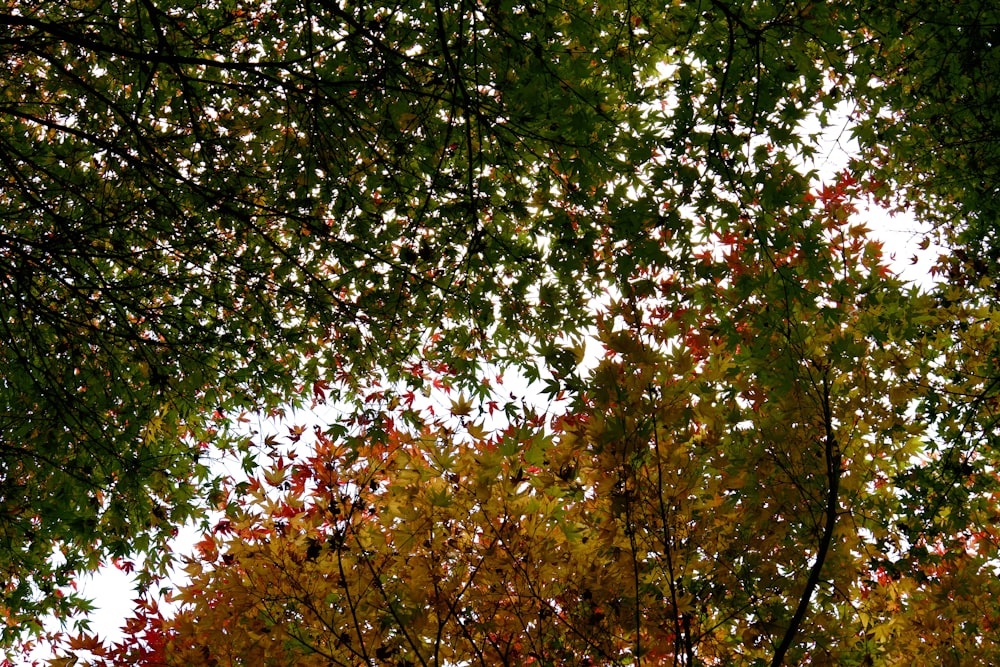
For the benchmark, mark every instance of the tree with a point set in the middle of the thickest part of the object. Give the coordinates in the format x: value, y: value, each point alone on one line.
x: 218, y: 208
x: 928, y: 123
x: 734, y: 485
x: 206, y: 207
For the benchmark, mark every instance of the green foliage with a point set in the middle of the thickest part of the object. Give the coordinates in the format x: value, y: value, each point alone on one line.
x: 206, y: 206
x: 928, y: 120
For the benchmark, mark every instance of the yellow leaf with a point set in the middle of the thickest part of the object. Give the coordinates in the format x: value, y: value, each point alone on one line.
x: 685, y: 603
x: 461, y: 407
x: 275, y: 476
x: 153, y: 428
x: 476, y: 430
x: 882, y: 631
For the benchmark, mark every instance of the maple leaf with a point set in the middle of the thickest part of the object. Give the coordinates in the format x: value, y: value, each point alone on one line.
x: 461, y: 407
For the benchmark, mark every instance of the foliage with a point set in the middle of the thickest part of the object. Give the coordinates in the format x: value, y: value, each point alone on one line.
x: 927, y: 118
x: 729, y: 489
x: 208, y: 205
x: 786, y: 456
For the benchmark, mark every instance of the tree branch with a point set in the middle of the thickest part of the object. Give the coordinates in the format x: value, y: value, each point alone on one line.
x: 833, y: 458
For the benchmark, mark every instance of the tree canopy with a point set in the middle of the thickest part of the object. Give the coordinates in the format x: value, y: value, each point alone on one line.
x: 785, y: 455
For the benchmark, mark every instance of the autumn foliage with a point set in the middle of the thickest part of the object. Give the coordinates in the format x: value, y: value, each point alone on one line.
x: 727, y: 488
x: 500, y: 333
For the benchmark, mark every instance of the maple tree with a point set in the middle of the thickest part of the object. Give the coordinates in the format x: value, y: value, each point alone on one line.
x: 786, y: 457
x: 739, y: 481
x: 207, y: 206
x: 930, y: 126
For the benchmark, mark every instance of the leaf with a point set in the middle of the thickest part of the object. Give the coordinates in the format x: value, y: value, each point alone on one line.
x: 461, y: 407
